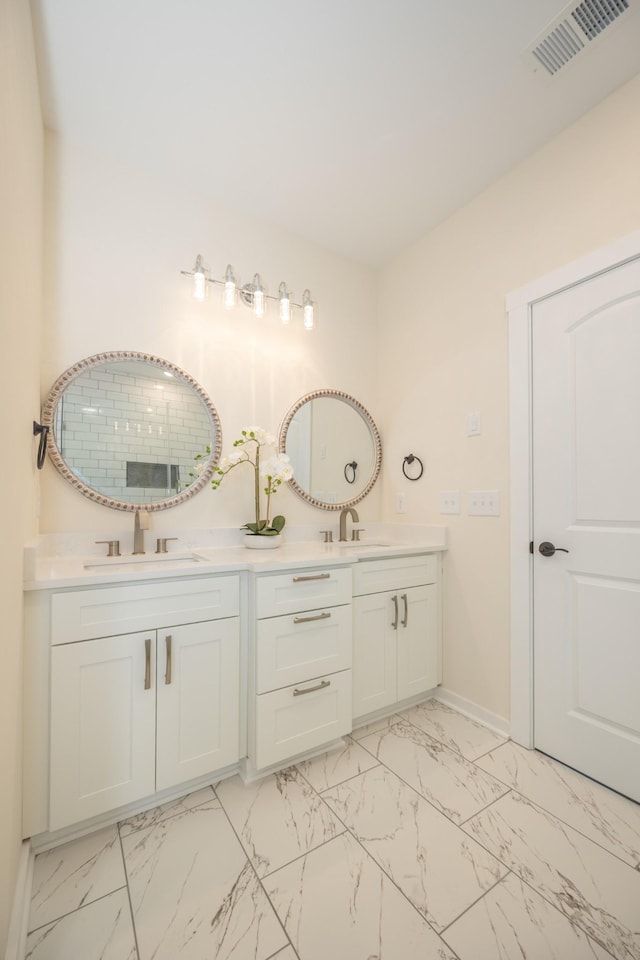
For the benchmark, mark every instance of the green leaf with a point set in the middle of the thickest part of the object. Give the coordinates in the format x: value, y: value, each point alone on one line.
x: 278, y: 523
x: 258, y: 527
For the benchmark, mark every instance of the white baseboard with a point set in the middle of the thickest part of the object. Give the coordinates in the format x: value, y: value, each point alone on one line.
x: 473, y: 710
x: 19, y: 921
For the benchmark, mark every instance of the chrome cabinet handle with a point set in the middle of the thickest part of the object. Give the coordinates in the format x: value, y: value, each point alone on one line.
x: 395, y: 618
x: 168, y: 641
x: 319, y: 686
x: 317, y: 616
x: 147, y: 664
x: 314, y: 576
x: 405, y: 619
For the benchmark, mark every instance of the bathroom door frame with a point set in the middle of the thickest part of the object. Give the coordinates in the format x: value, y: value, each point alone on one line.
x: 519, y: 305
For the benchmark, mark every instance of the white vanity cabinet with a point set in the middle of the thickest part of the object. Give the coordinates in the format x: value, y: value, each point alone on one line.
x: 136, y: 711
x: 302, y: 652
x: 397, y: 634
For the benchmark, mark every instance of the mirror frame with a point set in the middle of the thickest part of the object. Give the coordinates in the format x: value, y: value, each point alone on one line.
x: 99, y: 359
x: 375, y: 437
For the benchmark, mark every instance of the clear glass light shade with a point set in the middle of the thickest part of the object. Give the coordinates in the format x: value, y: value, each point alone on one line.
x: 307, y: 311
x: 229, y: 295
x: 285, y: 303
x: 199, y: 280
x: 258, y: 296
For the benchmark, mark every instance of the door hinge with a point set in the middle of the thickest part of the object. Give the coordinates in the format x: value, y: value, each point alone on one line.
x: 531, y: 546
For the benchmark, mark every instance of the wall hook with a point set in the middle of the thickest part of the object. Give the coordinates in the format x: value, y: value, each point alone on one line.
x: 39, y: 428
x: 408, y: 460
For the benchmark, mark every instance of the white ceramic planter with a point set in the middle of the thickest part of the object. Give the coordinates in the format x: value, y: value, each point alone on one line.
x: 256, y: 542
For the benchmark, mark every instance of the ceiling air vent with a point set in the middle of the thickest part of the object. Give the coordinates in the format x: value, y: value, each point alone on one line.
x: 573, y: 30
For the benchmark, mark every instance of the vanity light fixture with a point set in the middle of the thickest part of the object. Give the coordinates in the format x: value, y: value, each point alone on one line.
x: 251, y: 294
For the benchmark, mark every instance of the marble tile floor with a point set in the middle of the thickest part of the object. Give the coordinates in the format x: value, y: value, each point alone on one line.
x: 428, y: 837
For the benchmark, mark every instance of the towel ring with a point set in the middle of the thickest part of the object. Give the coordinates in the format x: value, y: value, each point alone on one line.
x: 43, y: 432
x: 353, y: 466
x: 408, y: 460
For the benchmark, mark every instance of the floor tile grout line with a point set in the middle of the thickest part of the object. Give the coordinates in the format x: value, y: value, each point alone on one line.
x: 546, y: 809
x: 489, y: 751
x: 339, y: 783
x: 82, y: 906
x: 572, y: 920
x: 258, y: 878
x: 389, y: 877
x: 370, y: 857
x: 554, y: 906
x: 126, y: 877
x: 554, y: 816
x: 516, y: 873
x: 430, y: 802
x: 479, y: 899
x: 171, y: 816
x: 566, y: 823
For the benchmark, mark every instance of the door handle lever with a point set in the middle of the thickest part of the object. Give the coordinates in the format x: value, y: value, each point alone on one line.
x: 547, y: 549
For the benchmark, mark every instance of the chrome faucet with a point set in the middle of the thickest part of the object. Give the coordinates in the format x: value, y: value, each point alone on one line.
x: 343, y: 520
x: 141, y: 524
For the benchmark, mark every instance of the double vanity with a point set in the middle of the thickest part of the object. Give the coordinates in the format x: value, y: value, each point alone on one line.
x: 148, y: 677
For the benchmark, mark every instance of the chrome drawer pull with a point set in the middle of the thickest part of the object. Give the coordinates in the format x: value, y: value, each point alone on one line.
x: 406, y: 610
x: 395, y: 616
x: 318, y: 616
x: 168, y: 640
x: 318, y: 686
x: 147, y: 664
x: 313, y: 576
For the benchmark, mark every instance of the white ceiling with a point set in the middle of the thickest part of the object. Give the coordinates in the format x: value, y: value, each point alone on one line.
x: 358, y: 124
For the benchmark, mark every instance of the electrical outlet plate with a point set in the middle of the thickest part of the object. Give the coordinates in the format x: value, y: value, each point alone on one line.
x: 483, y: 503
x: 450, y: 501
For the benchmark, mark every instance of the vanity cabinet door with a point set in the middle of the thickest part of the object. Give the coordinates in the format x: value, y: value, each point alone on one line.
x: 198, y: 693
x: 102, y: 725
x: 396, y: 653
x: 418, y: 650
x: 374, y: 653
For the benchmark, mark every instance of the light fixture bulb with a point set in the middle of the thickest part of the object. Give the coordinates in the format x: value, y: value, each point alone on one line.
x: 258, y: 296
x: 199, y: 280
x: 229, y: 297
x: 307, y: 311
x: 285, y: 303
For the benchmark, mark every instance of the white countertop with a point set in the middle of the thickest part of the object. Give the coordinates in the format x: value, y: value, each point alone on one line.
x: 46, y: 572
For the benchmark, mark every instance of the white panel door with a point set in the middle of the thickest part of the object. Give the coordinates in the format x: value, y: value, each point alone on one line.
x: 102, y: 726
x: 198, y: 709
x: 586, y: 456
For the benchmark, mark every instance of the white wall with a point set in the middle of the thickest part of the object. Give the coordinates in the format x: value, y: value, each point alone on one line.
x: 20, y: 279
x: 443, y: 352
x: 116, y: 240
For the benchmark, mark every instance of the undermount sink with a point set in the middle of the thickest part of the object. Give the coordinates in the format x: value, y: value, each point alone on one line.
x: 360, y: 544
x: 103, y: 563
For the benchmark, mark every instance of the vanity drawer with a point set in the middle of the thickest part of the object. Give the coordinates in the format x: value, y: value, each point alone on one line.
x: 292, y: 721
x: 299, y: 647
x: 302, y: 590
x: 88, y: 614
x: 376, y: 576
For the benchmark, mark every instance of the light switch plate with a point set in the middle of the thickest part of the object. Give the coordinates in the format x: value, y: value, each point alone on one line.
x: 449, y: 501
x: 483, y: 503
x: 474, y: 427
